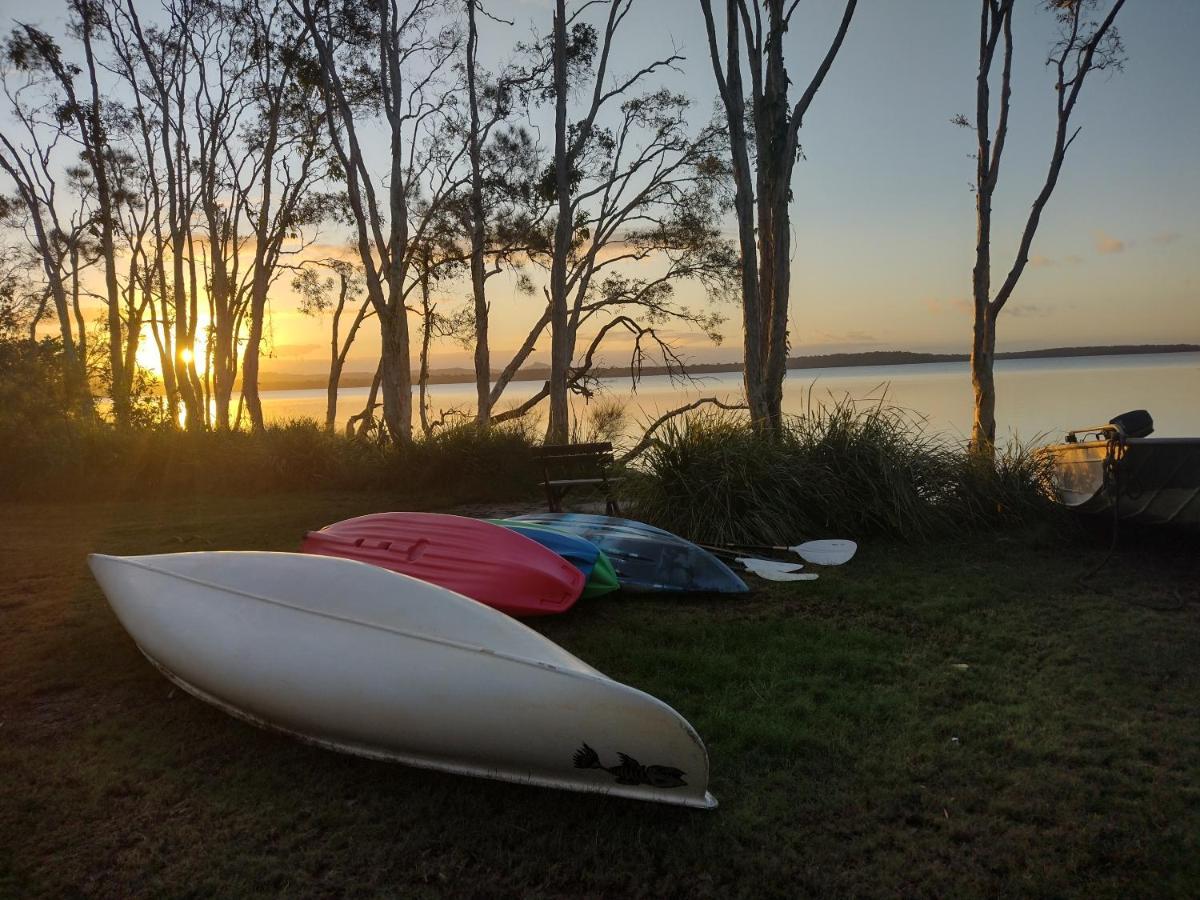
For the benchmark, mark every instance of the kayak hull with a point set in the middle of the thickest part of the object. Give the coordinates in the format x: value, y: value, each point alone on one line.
x: 581, y: 553
x: 365, y: 661
x: 492, y: 565
x: 647, y: 558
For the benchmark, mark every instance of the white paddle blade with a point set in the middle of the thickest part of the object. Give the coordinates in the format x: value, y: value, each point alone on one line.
x: 774, y: 571
x: 751, y: 563
x: 775, y: 575
x: 826, y: 553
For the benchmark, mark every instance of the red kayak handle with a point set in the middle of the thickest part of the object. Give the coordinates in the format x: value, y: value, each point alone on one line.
x: 326, y: 538
x: 411, y: 552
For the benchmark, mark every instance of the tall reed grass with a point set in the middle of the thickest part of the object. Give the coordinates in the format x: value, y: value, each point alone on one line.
x: 843, y: 468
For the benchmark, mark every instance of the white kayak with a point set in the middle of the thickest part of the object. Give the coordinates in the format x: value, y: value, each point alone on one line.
x: 371, y: 662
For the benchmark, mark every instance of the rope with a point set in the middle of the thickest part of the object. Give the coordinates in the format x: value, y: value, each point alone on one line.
x: 1113, y: 455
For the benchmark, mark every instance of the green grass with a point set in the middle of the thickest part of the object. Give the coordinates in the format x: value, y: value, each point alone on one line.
x: 940, y: 720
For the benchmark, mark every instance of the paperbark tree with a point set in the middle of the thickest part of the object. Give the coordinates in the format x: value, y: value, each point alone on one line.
x: 1085, y: 44
x: 764, y: 190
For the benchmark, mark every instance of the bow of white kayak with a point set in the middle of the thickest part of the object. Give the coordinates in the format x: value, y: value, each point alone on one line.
x: 375, y: 663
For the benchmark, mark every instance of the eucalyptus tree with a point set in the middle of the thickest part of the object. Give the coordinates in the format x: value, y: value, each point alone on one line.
x: 281, y: 150
x: 32, y: 155
x: 630, y: 182
x: 1087, y: 42
x: 226, y: 125
x: 500, y: 211
x: 333, y: 285
x: 159, y: 74
x: 136, y: 253
x: 81, y: 116
x: 764, y: 189
x: 388, y: 61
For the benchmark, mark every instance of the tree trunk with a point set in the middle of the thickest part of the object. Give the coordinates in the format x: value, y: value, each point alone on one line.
x: 96, y: 151
x: 395, y: 376
x: 766, y: 281
x: 223, y: 367
x: 983, y: 343
x: 733, y: 93
x: 983, y: 352
x: 426, y: 340
x: 777, y: 290
x: 774, y: 227
x: 483, y: 365
x: 560, y: 411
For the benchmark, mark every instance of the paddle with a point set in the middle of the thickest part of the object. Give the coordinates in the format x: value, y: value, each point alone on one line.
x: 770, y: 569
x: 775, y: 571
x: 834, y: 552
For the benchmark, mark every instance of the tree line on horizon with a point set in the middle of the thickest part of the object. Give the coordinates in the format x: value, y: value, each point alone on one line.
x: 188, y: 161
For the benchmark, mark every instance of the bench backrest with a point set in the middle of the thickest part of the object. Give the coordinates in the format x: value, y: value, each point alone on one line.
x: 575, y: 457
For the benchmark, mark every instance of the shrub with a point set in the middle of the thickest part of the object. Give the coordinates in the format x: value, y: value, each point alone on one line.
x: 467, y: 462
x: 71, y: 459
x: 1015, y: 488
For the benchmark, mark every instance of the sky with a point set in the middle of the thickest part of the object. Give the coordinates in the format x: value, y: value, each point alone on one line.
x: 883, y: 215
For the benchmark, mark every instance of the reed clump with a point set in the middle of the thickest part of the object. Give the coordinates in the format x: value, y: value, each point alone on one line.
x: 843, y: 468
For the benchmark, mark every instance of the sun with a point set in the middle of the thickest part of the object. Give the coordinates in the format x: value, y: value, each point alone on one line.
x: 147, y: 354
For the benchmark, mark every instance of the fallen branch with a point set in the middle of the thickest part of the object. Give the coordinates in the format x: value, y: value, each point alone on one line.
x: 648, y: 436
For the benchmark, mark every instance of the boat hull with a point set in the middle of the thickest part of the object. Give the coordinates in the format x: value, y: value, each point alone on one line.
x: 1156, y: 481
x: 646, y: 558
x: 370, y: 662
x: 490, y: 564
x: 581, y: 553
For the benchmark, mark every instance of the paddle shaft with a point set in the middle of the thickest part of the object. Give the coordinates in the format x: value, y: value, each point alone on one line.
x: 734, y: 553
x: 734, y: 549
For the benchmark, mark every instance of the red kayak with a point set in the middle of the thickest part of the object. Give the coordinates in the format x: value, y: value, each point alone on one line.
x: 485, y: 562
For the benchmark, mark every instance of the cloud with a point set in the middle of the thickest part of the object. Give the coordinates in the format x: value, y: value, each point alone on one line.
x: 1027, y: 311
x: 1107, y: 244
x: 1073, y: 259
x: 1163, y: 238
x: 1038, y: 261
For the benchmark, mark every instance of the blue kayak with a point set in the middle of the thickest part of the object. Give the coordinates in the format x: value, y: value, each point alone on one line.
x: 645, y: 558
x: 581, y: 553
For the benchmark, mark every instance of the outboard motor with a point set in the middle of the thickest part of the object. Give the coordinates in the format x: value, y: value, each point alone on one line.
x: 1134, y: 424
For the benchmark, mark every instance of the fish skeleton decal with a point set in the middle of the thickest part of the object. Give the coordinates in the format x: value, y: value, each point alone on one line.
x: 630, y: 771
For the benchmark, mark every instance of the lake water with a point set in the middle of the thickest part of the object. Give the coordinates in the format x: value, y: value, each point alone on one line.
x: 1035, y: 397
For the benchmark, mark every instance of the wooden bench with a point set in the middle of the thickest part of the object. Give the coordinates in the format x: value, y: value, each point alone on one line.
x: 566, y: 466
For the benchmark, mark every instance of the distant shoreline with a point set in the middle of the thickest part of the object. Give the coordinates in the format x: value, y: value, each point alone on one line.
x: 288, y: 382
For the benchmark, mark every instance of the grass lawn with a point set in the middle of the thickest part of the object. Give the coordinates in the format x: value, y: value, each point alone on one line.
x: 929, y: 721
